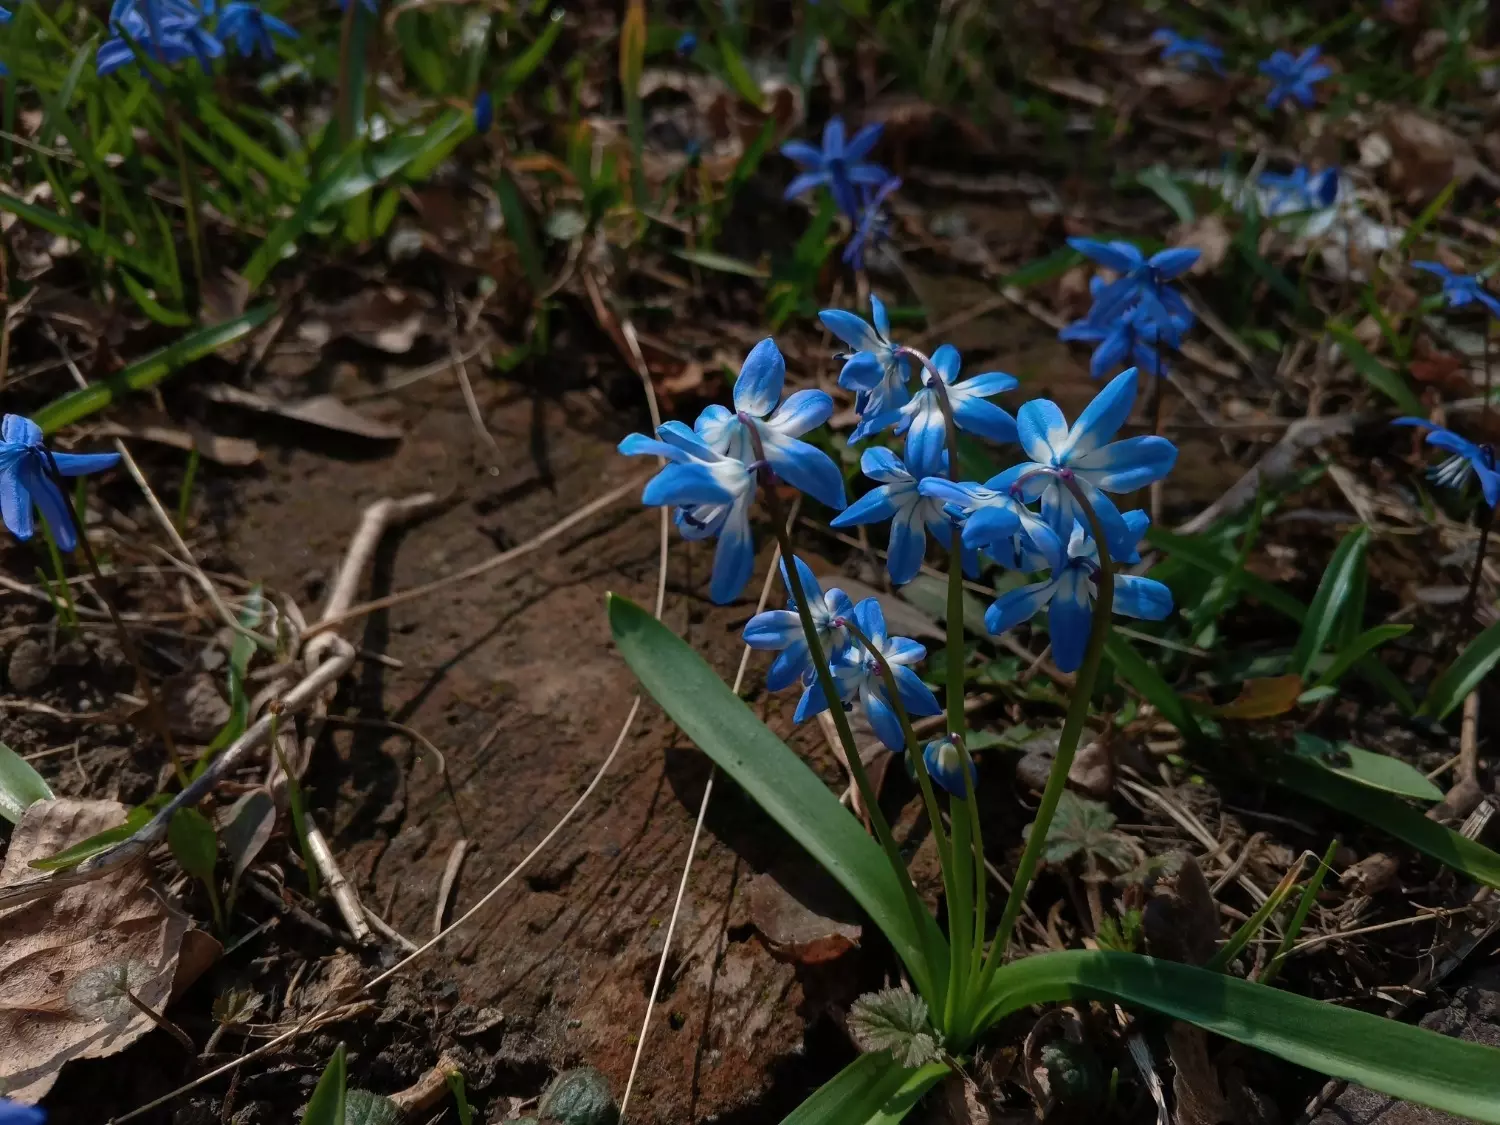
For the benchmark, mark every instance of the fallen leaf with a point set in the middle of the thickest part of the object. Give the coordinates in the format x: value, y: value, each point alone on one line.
x: 1263, y: 698
x: 1210, y: 236
x: 1371, y: 875
x: 320, y: 410
x: 780, y: 908
x: 1425, y: 156
x: 1181, y: 918
x: 225, y: 295
x: 232, y: 451
x: 120, y: 924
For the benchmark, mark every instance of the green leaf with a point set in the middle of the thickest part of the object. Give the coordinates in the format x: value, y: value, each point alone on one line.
x: 738, y: 73
x: 193, y: 842
x: 518, y: 224
x: 147, y: 371
x: 20, y: 785
x: 455, y: 1080
x: 96, y: 242
x: 1146, y: 680
x: 524, y: 64
x: 365, y: 1107
x: 1390, y: 815
x: 241, y: 650
x: 872, y: 1090
x: 1328, y: 603
x: 723, y: 263
x: 70, y: 857
x: 1378, y: 771
x: 326, y: 1106
x: 1463, y: 675
x: 1169, y: 191
x: 1390, y: 1057
x: 1350, y: 654
x: 895, y: 1020
x: 1388, y: 382
x: 781, y: 783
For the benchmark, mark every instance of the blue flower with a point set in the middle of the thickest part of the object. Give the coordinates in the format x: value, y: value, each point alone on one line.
x: 837, y: 165
x: 5, y: 17
x: 1461, y: 289
x: 1068, y: 595
x: 875, y: 370
x: 911, y: 513
x: 945, y: 765
x: 1293, y: 76
x: 870, y: 225
x: 858, y: 679
x: 1299, y: 191
x: 26, y: 478
x: 780, y: 630
x: 922, y: 421
x: 484, y: 112
x: 687, y: 44
x: 1187, y: 53
x: 1142, y: 281
x: 1467, y: 460
x: 711, y: 494
x: 248, y: 29
x: 1133, y: 337
x: 1081, y: 454
x: 15, y: 1113
x: 171, y: 31
x: 994, y: 520
x: 759, y: 412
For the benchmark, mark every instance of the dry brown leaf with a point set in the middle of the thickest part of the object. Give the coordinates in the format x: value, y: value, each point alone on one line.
x: 320, y: 410
x: 1264, y: 698
x: 232, y: 451
x: 794, y: 930
x: 54, y: 947
x: 1425, y: 156
x: 1207, y: 234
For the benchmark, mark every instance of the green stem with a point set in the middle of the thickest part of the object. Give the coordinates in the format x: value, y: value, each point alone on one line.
x: 981, y: 888
x: 867, y: 793
x: 189, y: 203
x: 1067, y: 745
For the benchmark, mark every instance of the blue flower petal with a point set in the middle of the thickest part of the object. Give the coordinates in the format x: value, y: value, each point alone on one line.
x: 1069, y: 618
x: 734, y: 559
x: 904, y: 650
x: 908, y: 546
x: 813, y: 702
x: 879, y: 463
x: 49, y: 500
x: 947, y: 362
x: 806, y: 468
x: 15, y: 505
x: 1042, y: 431
x: 851, y: 329
x: 878, y: 314
x: 803, y: 153
x: 761, y: 378
x: 1144, y: 598
x: 862, y: 142
x: 1016, y: 606
x: 1174, y: 262
x: 1124, y: 466
x: 1121, y: 257
x: 806, y: 182
x: 801, y: 412
x: 789, y: 668
x: 883, y: 721
x: 985, y: 419
x: 871, y: 621
x: 927, y: 435
x: 773, y: 630
x: 681, y: 484
x: 862, y: 372
x: 1103, y: 416
x: 916, y: 695
x: 636, y: 445
x: 874, y: 506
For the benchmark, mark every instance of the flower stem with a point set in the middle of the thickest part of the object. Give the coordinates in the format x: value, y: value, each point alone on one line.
x: 1067, y: 745
x: 1486, y: 522
x: 867, y: 793
x: 107, y: 594
x: 189, y: 204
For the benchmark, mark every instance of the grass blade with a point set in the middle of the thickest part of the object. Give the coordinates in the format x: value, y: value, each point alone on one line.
x: 20, y: 785
x: 1328, y: 603
x: 1388, y: 382
x: 1146, y: 680
x: 1393, y: 1058
x: 872, y: 1090
x: 1464, y: 674
x: 1352, y: 653
x: 148, y: 371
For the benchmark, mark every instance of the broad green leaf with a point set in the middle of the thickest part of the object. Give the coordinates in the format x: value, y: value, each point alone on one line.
x: 20, y: 785
x: 523, y: 65
x: 326, y: 1106
x: 194, y: 843
x: 1169, y: 191
x: 1355, y: 650
x: 781, y: 783
x: 147, y: 371
x: 1146, y: 680
x: 96, y: 242
x: 1385, y: 1055
x: 723, y: 263
x: 518, y: 225
x: 1328, y: 603
x: 1390, y: 815
x: 1385, y: 380
x: 1464, y: 674
x: 70, y: 857
x: 1378, y: 771
x: 872, y: 1090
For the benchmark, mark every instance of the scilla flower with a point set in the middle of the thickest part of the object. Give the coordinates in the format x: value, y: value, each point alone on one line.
x: 1068, y: 595
x: 1142, y: 280
x: 995, y: 521
x: 945, y: 765
x: 711, y: 493
x: 26, y: 479
x: 1467, y: 460
x: 870, y: 224
x: 170, y: 31
x: 762, y: 426
x: 875, y: 370
x: 912, y: 514
x: 1461, y: 289
x: 1187, y: 53
x: 1292, y: 76
x: 484, y: 111
x: 780, y: 630
x: 1084, y: 455
x: 857, y: 675
x: 922, y: 421
x: 17, y: 1113
x: 839, y: 165
x: 249, y: 29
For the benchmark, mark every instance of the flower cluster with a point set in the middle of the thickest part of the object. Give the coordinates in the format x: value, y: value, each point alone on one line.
x: 1292, y: 76
x: 173, y: 31
x: 28, y: 477
x: 858, y: 187
x: 1137, y: 313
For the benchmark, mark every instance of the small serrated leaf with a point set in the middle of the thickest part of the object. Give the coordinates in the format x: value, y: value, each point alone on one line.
x: 895, y: 1020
